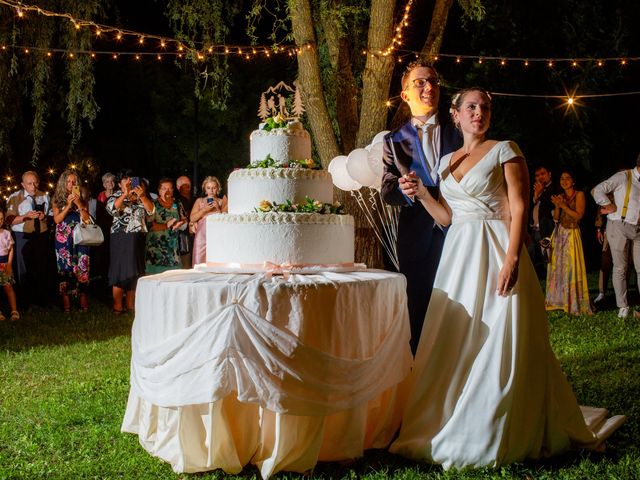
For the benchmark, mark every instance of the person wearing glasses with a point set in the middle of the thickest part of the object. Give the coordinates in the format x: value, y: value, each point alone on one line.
x: 417, y: 146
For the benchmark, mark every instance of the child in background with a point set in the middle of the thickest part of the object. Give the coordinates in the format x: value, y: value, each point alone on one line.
x: 6, y: 275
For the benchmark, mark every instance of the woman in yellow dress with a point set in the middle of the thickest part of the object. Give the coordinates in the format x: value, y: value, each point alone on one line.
x: 567, y: 276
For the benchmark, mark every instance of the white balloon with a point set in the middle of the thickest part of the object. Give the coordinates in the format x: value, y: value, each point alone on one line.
x: 359, y: 169
x: 375, y: 159
x: 334, y: 161
x: 379, y: 137
x: 341, y: 178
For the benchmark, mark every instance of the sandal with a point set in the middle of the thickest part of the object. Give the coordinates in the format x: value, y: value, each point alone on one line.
x: 14, y: 316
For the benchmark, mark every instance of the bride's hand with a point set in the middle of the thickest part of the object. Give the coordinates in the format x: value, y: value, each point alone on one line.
x: 507, y: 277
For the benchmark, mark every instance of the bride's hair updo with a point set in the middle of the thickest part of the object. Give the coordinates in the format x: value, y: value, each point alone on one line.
x: 458, y: 98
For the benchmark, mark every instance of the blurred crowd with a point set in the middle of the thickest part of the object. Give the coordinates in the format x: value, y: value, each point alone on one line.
x: 149, y: 231
x: 146, y: 230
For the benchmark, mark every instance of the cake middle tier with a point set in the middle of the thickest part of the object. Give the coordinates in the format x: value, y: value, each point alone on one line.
x: 250, y: 186
x: 302, y: 239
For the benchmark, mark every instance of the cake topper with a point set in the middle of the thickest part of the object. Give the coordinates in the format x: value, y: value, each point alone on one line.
x: 273, y: 102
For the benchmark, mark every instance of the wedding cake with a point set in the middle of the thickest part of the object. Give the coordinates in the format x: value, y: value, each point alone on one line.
x: 281, y: 210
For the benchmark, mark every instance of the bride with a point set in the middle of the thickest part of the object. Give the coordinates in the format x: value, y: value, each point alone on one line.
x: 487, y: 388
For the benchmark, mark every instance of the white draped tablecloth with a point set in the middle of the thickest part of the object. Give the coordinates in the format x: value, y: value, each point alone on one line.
x: 281, y: 372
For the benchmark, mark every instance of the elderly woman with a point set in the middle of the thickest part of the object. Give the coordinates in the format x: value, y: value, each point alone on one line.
x: 100, y: 254
x: 211, y: 202
x: 130, y: 207
x: 73, y: 260
x: 164, y: 226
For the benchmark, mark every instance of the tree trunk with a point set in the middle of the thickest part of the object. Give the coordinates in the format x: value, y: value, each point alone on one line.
x: 378, y: 70
x: 311, y: 82
x: 346, y: 90
x: 433, y: 43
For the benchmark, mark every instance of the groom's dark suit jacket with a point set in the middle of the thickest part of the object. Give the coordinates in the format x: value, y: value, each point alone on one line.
x: 419, y: 243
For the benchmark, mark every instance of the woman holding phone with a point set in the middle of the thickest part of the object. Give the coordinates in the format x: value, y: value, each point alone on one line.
x: 72, y: 260
x: 210, y: 203
x: 130, y: 207
x: 164, y: 227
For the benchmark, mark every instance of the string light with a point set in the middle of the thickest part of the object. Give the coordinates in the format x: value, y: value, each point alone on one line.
x: 120, y: 33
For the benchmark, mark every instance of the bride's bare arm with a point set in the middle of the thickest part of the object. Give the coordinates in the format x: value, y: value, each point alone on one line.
x: 438, y: 209
x: 517, y: 179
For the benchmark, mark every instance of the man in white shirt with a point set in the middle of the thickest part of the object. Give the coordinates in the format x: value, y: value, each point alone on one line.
x: 26, y: 214
x: 622, y: 226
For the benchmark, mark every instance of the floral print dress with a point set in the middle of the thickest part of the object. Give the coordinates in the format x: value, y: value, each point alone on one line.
x: 72, y: 260
x: 162, y: 246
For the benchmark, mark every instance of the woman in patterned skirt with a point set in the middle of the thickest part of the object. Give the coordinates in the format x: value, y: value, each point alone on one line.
x: 72, y: 260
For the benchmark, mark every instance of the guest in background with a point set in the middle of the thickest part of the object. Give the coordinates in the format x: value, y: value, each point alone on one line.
x: 6, y: 274
x: 567, y: 287
x: 165, y: 224
x: 417, y: 146
x: 100, y: 254
x: 109, y: 184
x: 130, y: 207
x: 622, y: 227
x: 606, y: 262
x: 186, y: 238
x: 541, y: 224
x: 90, y: 202
x: 73, y: 260
x: 26, y: 214
x: 210, y: 203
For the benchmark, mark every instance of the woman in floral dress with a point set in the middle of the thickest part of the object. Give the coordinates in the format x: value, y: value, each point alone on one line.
x: 72, y: 260
x: 165, y: 224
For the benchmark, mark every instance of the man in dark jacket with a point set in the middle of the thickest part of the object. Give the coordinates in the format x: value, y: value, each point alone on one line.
x: 417, y: 146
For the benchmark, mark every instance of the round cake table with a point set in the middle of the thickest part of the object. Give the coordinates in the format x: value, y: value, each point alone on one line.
x: 278, y: 371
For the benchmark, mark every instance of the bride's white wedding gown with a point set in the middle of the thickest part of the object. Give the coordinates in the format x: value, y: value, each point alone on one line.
x: 488, y: 390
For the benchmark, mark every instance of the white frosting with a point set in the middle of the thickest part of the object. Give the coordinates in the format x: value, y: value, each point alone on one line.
x: 248, y: 187
x: 283, y: 144
x: 295, y: 238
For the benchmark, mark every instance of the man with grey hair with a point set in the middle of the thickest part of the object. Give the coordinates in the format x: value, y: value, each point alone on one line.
x: 26, y: 215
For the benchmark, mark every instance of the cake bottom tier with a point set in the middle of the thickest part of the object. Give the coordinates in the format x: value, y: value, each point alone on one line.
x: 293, y: 239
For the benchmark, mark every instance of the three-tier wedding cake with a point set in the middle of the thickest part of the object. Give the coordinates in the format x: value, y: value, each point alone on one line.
x: 281, y: 210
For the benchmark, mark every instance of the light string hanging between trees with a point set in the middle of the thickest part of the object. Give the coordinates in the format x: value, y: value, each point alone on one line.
x: 107, y: 32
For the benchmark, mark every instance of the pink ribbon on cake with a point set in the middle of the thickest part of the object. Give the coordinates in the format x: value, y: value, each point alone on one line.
x: 284, y: 269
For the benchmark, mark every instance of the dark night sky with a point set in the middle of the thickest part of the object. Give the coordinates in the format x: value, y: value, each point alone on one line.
x: 147, y: 116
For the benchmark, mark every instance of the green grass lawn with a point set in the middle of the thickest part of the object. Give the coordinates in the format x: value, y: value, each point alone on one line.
x: 64, y: 381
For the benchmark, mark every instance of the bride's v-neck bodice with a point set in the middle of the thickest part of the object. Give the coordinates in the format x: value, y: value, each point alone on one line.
x: 481, y: 193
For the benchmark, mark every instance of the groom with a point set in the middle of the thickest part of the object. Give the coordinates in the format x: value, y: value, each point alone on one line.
x: 417, y: 146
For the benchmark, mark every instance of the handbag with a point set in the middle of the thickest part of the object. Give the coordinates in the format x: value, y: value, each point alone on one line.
x: 184, y: 242
x: 88, y: 234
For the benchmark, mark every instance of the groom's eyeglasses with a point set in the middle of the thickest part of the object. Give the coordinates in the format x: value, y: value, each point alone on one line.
x: 422, y: 82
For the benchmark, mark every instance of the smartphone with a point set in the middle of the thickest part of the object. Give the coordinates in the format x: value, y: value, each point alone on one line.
x: 210, y: 200
x: 135, y: 181
x: 76, y: 190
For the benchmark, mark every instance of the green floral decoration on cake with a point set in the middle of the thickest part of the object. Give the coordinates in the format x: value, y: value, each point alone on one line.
x: 269, y: 162
x: 307, y: 206
x: 274, y: 122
